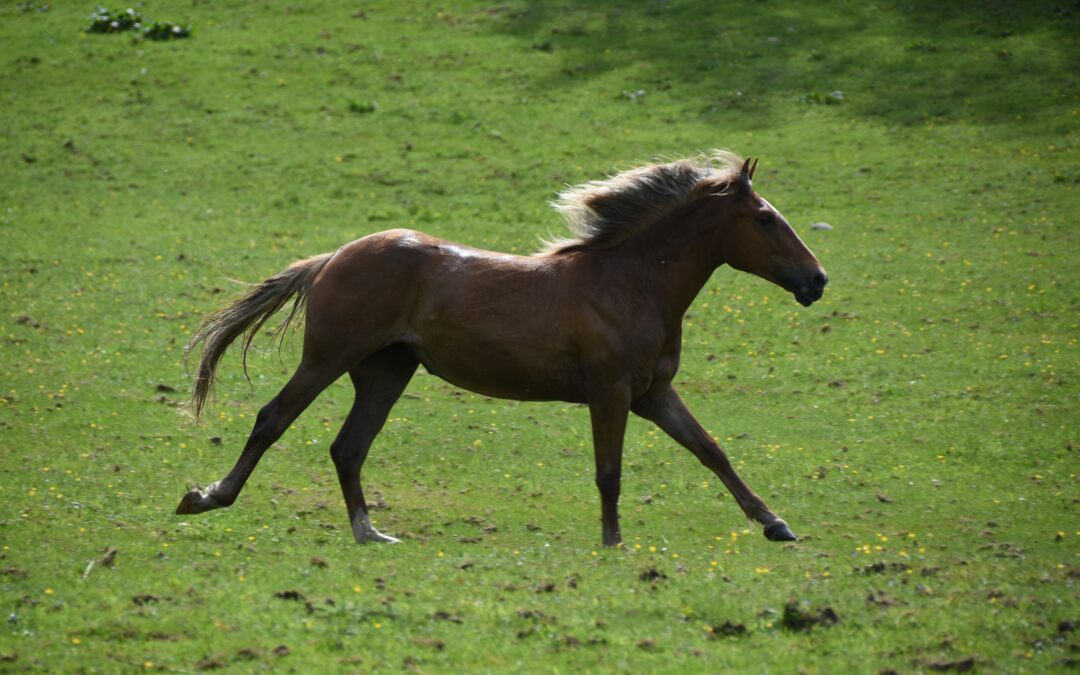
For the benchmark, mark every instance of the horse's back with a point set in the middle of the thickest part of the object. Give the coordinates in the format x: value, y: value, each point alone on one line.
x: 480, y: 319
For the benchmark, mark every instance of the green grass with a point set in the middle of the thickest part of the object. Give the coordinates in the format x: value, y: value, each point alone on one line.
x: 917, y: 426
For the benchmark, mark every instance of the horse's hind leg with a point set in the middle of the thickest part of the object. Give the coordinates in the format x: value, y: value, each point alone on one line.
x: 379, y: 382
x: 271, y: 422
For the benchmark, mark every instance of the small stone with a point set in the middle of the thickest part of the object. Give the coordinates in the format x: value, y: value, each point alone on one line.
x: 821, y: 226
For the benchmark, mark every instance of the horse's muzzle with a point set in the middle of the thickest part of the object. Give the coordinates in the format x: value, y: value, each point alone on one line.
x: 811, y: 291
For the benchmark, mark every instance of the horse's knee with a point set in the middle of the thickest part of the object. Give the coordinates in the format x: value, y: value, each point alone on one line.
x: 714, y: 457
x: 608, y: 482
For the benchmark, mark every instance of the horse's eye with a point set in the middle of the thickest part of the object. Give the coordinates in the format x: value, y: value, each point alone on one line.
x: 765, y: 219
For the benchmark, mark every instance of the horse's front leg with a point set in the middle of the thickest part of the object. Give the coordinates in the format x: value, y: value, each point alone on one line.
x: 665, y: 409
x: 609, y: 411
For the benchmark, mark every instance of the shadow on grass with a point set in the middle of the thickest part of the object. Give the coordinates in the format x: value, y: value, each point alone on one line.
x: 984, y: 61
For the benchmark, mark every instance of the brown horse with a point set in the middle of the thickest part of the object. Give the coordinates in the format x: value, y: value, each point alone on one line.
x: 596, y: 319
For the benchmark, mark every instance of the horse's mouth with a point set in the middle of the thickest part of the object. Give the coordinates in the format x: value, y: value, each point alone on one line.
x: 807, y: 296
x: 810, y: 291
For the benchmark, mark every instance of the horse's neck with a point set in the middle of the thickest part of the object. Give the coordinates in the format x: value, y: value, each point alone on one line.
x: 683, y: 249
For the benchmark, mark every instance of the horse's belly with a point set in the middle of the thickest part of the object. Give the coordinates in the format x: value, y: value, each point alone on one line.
x: 497, y: 325
x: 501, y: 373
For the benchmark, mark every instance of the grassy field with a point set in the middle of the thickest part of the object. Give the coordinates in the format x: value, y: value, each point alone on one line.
x: 914, y: 426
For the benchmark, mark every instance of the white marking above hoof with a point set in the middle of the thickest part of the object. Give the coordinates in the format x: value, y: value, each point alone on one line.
x: 377, y: 537
x: 364, y: 532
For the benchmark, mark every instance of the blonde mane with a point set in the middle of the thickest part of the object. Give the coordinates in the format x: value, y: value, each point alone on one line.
x: 600, y: 214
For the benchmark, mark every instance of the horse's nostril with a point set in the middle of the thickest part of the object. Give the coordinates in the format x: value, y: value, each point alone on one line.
x: 819, y: 281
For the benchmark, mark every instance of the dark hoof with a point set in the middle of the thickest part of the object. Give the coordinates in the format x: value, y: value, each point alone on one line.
x: 188, y: 504
x: 196, y: 501
x: 780, y: 532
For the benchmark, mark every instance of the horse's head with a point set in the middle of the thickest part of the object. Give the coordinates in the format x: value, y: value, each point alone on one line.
x: 757, y: 239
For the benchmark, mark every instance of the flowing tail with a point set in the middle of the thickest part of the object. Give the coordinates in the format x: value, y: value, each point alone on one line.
x: 247, y: 315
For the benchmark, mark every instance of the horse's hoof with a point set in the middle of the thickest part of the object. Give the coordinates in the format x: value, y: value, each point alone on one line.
x: 780, y: 531
x: 196, y: 501
x: 188, y: 504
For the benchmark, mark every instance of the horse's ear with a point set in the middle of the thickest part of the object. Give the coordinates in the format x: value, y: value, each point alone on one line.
x: 746, y: 174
